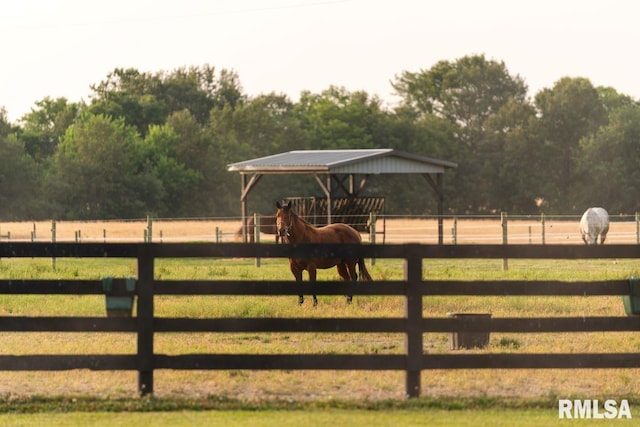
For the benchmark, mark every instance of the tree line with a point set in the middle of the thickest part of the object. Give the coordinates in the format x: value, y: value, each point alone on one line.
x: 157, y: 143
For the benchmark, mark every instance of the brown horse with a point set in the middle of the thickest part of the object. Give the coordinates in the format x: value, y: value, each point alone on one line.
x: 293, y: 229
x: 267, y: 226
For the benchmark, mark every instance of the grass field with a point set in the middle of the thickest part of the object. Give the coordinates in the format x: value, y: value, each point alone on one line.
x: 524, y: 392
x: 295, y: 418
x: 524, y: 384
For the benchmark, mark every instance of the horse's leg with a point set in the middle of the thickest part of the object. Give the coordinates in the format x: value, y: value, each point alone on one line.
x: 297, y: 273
x: 351, y: 266
x: 299, y: 279
x: 344, y: 272
x: 312, y: 278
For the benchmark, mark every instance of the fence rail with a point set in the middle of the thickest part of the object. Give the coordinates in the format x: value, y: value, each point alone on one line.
x: 412, y: 325
x: 377, y: 228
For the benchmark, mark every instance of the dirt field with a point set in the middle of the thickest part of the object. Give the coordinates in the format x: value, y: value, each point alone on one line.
x: 122, y: 231
x: 395, y: 230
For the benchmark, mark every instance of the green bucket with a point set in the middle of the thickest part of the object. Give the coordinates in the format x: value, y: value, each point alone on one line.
x: 632, y: 301
x: 119, y: 305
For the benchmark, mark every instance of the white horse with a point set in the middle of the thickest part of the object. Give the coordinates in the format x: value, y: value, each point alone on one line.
x: 594, y: 223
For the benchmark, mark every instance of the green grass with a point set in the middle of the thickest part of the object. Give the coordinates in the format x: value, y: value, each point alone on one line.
x: 333, y: 417
x: 230, y: 412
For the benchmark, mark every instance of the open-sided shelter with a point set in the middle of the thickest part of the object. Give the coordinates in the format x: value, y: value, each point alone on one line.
x: 337, y: 170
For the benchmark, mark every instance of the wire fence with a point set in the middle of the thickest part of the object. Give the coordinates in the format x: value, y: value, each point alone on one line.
x: 503, y: 228
x: 461, y: 229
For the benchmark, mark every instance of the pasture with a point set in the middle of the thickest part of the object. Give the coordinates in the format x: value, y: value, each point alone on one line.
x: 510, y: 388
x: 320, y: 385
x: 297, y: 417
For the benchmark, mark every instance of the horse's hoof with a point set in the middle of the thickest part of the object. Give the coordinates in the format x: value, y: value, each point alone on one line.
x: 300, y: 300
x: 315, y: 302
x: 349, y: 299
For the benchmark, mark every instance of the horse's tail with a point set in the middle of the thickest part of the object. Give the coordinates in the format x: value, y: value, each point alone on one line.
x: 249, y: 227
x: 239, y: 234
x: 364, y: 274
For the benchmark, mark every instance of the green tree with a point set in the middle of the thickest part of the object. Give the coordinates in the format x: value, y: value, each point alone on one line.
x: 337, y: 118
x: 199, y: 90
x: 260, y: 126
x: 99, y: 171
x: 425, y: 135
x: 608, y: 165
x: 465, y: 92
x: 199, y: 153
x: 19, y: 181
x: 612, y: 100
x: 513, y: 162
x: 19, y: 176
x: 145, y: 99
x: 44, y: 125
x: 131, y: 95
x: 6, y: 128
x: 178, y: 181
x: 568, y: 112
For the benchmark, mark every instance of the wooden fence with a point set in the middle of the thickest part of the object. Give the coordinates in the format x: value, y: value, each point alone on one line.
x: 413, y: 324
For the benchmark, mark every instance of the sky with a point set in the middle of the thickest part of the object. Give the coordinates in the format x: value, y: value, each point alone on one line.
x: 59, y: 48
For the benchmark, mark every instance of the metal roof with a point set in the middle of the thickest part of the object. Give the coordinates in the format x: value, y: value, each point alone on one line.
x: 361, y: 161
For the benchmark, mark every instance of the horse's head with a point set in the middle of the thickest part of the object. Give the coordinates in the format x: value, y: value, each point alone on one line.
x: 284, y: 219
x: 590, y: 239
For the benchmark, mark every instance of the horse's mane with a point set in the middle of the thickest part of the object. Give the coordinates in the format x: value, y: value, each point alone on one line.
x: 298, y: 217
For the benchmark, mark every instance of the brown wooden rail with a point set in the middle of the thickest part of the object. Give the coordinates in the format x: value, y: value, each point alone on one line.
x: 413, y: 324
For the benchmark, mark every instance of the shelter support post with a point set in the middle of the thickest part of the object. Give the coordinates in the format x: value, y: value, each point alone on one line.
x: 349, y: 189
x: 326, y: 189
x: 246, y: 186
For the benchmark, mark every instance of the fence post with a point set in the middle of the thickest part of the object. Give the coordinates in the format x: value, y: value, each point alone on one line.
x: 454, y: 231
x: 542, y: 220
x: 149, y: 233
x: 413, y: 314
x: 637, y: 228
x: 145, y: 320
x: 505, y: 238
x: 372, y: 233
x: 53, y: 240
x: 256, y: 233
x: 7, y: 236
